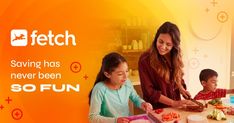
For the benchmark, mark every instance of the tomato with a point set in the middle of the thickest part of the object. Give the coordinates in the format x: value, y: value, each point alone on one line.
x: 158, y: 111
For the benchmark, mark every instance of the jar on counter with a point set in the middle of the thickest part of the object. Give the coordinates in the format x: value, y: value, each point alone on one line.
x: 134, y: 45
x: 140, y: 45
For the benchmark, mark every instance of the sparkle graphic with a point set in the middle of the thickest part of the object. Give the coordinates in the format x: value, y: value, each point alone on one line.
x: 222, y: 16
x: 17, y: 114
x: 75, y: 67
x: 1, y: 107
x: 214, y: 3
x: 8, y: 100
x: 85, y: 77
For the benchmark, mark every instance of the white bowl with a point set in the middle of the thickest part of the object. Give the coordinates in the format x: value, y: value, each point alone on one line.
x: 196, y: 119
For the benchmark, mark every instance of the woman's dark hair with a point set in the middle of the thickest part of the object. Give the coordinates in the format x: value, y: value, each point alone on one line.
x: 109, y: 63
x: 156, y: 60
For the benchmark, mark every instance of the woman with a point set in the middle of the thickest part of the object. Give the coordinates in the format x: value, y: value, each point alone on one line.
x: 111, y: 92
x: 160, y: 69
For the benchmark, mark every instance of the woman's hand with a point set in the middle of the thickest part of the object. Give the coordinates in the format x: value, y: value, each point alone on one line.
x: 146, y: 106
x: 182, y: 103
x: 123, y: 120
x: 185, y: 93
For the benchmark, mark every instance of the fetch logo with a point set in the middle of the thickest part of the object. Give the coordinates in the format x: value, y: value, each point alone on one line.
x: 19, y: 38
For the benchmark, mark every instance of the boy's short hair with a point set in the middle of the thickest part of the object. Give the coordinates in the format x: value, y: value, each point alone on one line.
x: 205, y: 74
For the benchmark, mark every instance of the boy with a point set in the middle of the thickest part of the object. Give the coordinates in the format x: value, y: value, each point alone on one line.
x: 208, y: 79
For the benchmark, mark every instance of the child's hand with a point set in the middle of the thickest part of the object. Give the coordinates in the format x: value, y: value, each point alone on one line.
x: 123, y: 120
x: 146, y: 106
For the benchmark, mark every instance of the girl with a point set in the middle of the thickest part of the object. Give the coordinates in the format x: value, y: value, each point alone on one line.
x: 112, y: 91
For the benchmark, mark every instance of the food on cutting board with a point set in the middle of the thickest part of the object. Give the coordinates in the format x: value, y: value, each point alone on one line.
x: 228, y: 111
x: 152, y: 115
x: 216, y: 115
x: 220, y: 106
x: 216, y: 101
x: 170, y: 116
x: 198, y: 107
x: 164, y: 117
x: 158, y: 111
x: 196, y: 119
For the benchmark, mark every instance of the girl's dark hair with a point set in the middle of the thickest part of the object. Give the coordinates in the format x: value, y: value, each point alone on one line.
x: 156, y: 60
x: 109, y: 63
